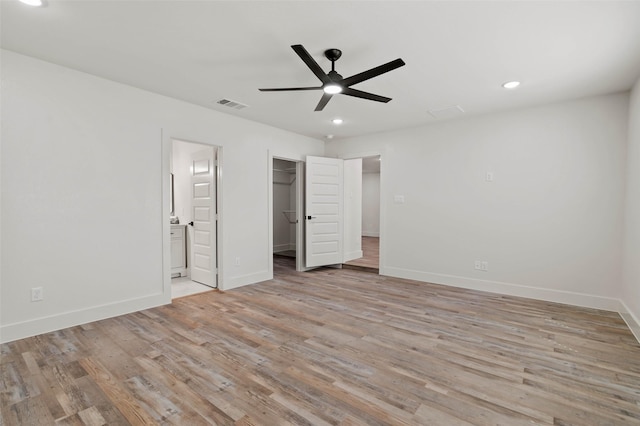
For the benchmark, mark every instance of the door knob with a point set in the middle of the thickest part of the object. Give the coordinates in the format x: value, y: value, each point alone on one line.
x: 311, y: 217
x: 191, y: 223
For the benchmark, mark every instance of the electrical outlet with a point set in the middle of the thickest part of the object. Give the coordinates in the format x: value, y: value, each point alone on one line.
x: 237, y: 261
x: 37, y: 294
x: 488, y: 177
x: 484, y: 266
x: 477, y: 265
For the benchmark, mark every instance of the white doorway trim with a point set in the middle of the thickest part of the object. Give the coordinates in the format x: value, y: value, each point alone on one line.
x: 383, y: 187
x: 167, y: 148
x: 300, y: 254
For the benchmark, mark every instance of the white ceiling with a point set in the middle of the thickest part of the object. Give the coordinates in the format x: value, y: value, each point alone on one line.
x: 457, y: 53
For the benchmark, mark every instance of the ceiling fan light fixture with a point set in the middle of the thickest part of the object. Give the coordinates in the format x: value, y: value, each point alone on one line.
x: 511, y: 84
x: 337, y: 121
x: 332, y: 88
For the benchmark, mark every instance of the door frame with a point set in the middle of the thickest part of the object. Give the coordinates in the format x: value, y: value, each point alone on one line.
x: 166, y: 158
x: 300, y: 250
x: 383, y: 215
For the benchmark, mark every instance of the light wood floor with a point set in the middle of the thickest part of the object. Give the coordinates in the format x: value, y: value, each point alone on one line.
x: 331, y: 346
x: 370, y: 254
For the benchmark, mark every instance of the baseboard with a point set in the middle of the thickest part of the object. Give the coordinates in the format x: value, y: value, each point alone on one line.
x: 284, y: 247
x: 632, y: 321
x: 371, y: 234
x: 21, y: 330
x: 242, y: 280
x: 356, y: 254
x: 549, y: 295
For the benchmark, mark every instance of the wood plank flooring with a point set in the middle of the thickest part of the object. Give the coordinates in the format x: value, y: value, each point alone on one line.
x: 330, y: 347
x: 370, y: 255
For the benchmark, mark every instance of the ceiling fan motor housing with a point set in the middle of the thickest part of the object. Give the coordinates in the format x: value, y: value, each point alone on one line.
x: 334, y: 76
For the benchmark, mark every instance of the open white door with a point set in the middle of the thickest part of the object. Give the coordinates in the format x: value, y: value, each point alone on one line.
x: 203, y: 202
x: 324, y: 211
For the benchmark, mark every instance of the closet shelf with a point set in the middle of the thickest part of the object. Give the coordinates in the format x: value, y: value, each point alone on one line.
x: 290, y: 215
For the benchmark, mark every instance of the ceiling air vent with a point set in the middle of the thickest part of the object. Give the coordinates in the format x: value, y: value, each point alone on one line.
x: 232, y: 104
x: 446, y: 112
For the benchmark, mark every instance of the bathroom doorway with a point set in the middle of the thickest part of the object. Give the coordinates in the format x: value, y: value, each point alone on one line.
x: 195, y: 173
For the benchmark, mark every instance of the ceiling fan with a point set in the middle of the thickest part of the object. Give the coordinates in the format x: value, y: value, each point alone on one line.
x: 333, y: 83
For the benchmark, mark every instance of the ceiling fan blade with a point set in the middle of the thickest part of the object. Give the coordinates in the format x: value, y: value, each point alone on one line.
x: 373, y: 72
x: 311, y: 63
x: 323, y: 101
x: 364, y: 95
x: 285, y: 89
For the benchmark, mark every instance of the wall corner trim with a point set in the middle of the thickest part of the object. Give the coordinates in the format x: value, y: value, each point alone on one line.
x: 242, y: 280
x: 632, y: 322
x: 352, y: 255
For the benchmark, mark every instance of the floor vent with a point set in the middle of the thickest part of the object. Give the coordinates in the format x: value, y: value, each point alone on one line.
x: 232, y: 104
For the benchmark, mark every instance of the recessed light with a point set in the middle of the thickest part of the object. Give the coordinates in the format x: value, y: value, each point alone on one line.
x: 511, y: 84
x: 329, y: 136
x: 34, y: 3
x: 337, y: 121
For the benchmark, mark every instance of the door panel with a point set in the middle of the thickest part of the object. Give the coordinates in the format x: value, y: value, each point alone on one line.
x: 203, y: 202
x: 201, y: 190
x: 324, y: 211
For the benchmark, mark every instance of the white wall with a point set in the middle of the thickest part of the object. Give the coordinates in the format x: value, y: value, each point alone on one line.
x: 371, y: 204
x: 631, y: 265
x: 549, y: 224
x: 352, y: 177
x: 83, y: 165
x: 82, y: 203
